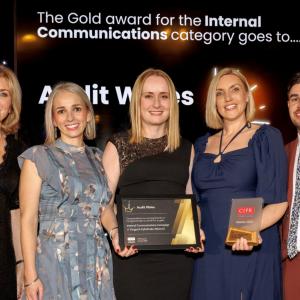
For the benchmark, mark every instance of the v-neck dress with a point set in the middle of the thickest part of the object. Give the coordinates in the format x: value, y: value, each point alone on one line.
x: 73, y: 258
x: 259, y: 170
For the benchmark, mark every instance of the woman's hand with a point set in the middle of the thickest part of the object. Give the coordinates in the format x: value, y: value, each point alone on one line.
x: 198, y: 249
x: 35, y: 290
x: 241, y: 244
x: 20, y: 279
x: 127, y: 251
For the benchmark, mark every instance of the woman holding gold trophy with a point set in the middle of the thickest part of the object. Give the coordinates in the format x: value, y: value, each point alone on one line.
x: 241, y: 161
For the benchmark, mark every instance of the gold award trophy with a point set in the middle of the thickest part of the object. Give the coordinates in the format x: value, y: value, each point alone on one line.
x: 245, y: 220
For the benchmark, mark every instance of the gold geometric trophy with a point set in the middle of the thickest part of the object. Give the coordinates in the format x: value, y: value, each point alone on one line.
x: 245, y: 220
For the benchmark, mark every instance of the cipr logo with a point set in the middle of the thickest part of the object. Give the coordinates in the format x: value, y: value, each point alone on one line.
x: 246, y: 210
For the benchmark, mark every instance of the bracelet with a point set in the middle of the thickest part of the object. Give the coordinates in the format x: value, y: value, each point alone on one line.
x: 28, y: 284
x: 19, y: 261
x: 110, y: 233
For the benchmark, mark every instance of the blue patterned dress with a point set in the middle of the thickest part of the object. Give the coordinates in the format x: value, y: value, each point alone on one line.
x: 73, y: 256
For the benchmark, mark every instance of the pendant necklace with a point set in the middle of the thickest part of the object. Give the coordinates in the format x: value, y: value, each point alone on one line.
x: 219, y: 156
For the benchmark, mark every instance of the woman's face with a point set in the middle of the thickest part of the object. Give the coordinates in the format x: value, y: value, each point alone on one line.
x: 70, y: 116
x: 155, y: 102
x: 5, y: 99
x: 231, y: 97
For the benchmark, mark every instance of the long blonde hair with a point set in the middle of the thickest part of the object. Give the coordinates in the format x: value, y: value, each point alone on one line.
x: 90, y: 130
x: 173, y: 131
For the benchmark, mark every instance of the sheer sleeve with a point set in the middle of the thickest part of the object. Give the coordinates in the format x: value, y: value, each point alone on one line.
x: 129, y: 152
x: 271, y: 165
x: 38, y: 156
x: 200, y: 145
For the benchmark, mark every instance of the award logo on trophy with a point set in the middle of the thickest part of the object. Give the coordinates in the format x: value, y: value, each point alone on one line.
x: 245, y: 220
x: 128, y: 208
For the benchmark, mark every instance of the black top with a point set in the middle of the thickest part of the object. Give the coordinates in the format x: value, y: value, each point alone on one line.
x: 9, y: 184
x: 148, y: 165
x: 148, y: 168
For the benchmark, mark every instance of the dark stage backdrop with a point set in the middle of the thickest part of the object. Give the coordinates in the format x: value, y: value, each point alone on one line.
x: 104, y: 47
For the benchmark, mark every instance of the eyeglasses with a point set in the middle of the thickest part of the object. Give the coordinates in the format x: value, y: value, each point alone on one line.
x: 294, y: 99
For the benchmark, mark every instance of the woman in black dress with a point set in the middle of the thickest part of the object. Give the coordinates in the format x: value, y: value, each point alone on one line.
x: 11, y: 262
x: 150, y: 159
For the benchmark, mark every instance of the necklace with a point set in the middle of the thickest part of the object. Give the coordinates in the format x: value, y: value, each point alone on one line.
x: 219, y: 156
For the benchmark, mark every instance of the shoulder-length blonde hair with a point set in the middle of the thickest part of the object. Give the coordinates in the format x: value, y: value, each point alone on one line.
x: 11, y: 123
x: 90, y: 130
x: 173, y: 131
x: 212, y: 117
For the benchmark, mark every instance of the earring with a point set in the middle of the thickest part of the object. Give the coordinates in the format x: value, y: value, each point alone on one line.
x: 55, y: 132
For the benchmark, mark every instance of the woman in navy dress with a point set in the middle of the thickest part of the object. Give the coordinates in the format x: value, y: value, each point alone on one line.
x: 242, y: 160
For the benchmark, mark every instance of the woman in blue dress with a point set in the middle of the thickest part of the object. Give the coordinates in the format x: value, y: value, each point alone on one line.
x: 63, y: 195
x: 242, y: 160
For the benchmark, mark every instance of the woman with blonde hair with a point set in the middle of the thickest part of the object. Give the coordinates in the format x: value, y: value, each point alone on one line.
x: 151, y: 159
x: 63, y: 194
x: 11, y: 262
x: 242, y: 160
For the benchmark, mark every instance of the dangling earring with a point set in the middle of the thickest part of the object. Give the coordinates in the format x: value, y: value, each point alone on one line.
x: 55, y: 132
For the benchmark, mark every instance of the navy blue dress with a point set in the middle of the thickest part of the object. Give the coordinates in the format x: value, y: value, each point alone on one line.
x: 257, y: 170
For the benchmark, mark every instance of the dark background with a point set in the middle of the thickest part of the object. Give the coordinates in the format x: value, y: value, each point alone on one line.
x: 118, y: 62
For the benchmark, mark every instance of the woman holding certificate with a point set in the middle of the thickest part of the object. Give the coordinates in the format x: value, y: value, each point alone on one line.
x: 242, y: 160
x: 151, y: 159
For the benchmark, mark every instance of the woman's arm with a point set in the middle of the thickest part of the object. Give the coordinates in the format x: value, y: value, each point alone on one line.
x: 111, y: 166
x: 271, y: 214
x: 272, y: 170
x: 108, y: 217
x: 29, y: 193
x: 15, y: 225
x: 189, y: 190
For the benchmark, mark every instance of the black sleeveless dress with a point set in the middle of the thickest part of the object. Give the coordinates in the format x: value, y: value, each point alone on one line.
x: 9, y: 181
x: 146, y: 170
